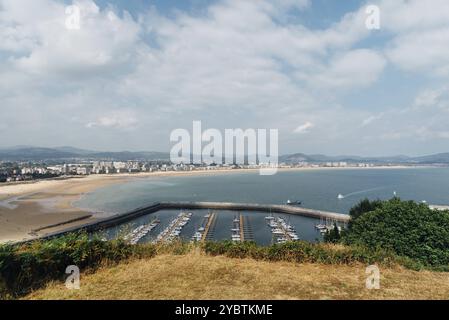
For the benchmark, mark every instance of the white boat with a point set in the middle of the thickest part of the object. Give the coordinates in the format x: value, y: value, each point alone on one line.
x: 273, y: 224
x: 175, y: 227
x: 235, y: 237
x: 340, y: 196
x: 197, y: 236
x: 291, y: 203
x: 294, y: 237
x: 320, y: 226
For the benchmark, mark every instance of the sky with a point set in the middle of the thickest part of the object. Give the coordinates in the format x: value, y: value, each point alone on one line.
x: 136, y: 70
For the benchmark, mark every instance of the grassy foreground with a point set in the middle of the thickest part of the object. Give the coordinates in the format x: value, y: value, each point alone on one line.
x: 213, y: 270
x: 196, y: 275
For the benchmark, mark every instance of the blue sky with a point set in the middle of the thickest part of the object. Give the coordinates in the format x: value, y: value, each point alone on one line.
x: 136, y: 70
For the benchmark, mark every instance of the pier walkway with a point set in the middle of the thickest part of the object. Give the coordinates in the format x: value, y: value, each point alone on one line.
x: 257, y: 207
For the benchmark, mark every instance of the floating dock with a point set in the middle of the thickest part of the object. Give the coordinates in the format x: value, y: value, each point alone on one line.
x: 174, y: 228
x: 242, y: 235
x: 246, y: 229
x: 210, y: 222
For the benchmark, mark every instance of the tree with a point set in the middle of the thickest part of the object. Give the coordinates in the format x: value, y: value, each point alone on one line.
x: 332, y: 236
x: 364, y: 206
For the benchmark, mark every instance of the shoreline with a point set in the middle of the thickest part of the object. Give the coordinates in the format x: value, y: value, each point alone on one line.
x: 35, y: 184
x: 28, y: 209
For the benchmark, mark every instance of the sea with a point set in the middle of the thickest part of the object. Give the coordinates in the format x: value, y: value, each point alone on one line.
x: 315, y: 188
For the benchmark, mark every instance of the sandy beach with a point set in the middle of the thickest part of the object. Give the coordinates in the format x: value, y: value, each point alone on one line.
x: 29, y: 210
x: 26, y: 208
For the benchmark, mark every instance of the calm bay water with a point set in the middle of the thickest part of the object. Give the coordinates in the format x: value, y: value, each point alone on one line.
x: 317, y: 189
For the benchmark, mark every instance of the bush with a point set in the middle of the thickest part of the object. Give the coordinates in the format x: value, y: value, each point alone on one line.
x: 28, y: 266
x: 302, y: 252
x: 406, y: 228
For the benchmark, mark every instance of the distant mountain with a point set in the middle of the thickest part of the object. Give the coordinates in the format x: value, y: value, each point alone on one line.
x: 74, y: 150
x: 25, y: 153
x: 32, y: 153
x: 441, y: 158
x: 435, y: 158
x: 295, y: 158
x: 128, y: 155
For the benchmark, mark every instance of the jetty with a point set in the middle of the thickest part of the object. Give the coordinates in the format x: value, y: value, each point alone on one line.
x: 313, y: 213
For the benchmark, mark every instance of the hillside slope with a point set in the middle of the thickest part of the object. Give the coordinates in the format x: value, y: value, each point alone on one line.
x: 199, y: 276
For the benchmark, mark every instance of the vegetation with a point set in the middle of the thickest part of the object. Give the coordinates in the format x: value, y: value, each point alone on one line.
x: 196, y: 275
x: 26, y: 267
x: 364, y: 206
x: 388, y: 233
x: 302, y: 252
x: 333, y: 236
x: 406, y: 228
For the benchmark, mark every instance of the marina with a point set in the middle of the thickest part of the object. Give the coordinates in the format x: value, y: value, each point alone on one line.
x: 327, y: 225
x: 141, y: 231
x: 212, y: 221
x: 237, y: 231
x: 173, y: 230
x: 281, y: 230
x: 219, y: 225
x: 203, y: 232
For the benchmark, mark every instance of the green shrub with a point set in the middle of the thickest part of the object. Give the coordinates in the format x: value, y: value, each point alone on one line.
x: 28, y: 266
x: 406, y: 228
x: 301, y: 252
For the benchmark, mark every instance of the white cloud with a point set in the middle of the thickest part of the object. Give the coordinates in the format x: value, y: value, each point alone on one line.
x: 372, y: 118
x: 411, y: 15
x: 36, y: 31
x: 353, y: 69
x: 115, y: 119
x: 420, y: 32
x: 233, y: 64
x: 435, y: 98
x: 304, y: 128
x: 422, y: 51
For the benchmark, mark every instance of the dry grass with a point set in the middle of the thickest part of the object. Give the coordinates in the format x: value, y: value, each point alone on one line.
x: 197, y: 276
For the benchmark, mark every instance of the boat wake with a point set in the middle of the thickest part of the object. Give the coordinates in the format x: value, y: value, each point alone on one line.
x: 340, y: 196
